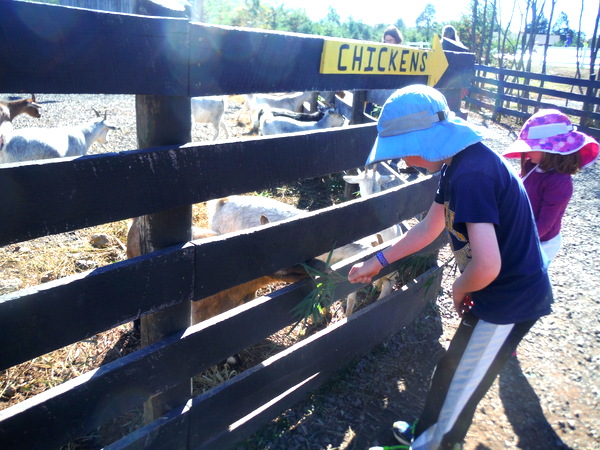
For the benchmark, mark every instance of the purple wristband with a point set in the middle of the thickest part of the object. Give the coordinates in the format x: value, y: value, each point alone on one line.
x: 384, y: 262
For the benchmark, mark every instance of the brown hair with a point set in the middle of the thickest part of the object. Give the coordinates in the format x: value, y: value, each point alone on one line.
x: 570, y: 163
x: 393, y: 32
x: 449, y: 32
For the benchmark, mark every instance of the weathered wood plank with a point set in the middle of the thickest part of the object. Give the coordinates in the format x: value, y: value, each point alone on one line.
x: 83, y: 51
x: 163, y: 49
x: 221, y: 57
x: 61, y: 195
x: 37, y: 320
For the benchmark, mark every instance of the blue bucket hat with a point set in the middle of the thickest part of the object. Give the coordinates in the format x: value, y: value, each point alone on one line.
x: 416, y: 121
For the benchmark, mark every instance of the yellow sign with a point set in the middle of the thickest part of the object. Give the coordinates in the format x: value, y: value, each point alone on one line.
x: 357, y: 57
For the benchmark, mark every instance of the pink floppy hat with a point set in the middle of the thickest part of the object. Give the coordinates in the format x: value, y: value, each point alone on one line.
x: 551, y: 131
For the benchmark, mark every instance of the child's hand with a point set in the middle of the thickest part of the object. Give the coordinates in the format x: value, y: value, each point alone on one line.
x: 363, y: 272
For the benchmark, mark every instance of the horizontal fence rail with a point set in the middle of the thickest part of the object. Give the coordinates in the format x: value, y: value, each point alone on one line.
x: 176, y: 56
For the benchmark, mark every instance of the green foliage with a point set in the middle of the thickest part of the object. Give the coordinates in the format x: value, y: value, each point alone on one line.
x: 426, y: 21
x: 273, y: 16
x: 321, y: 297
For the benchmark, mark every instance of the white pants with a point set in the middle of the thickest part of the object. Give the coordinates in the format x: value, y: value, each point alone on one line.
x: 552, y: 246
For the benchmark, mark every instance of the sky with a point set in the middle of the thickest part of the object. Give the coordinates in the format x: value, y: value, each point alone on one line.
x: 388, y: 11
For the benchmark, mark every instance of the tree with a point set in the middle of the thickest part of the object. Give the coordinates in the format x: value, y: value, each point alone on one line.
x: 561, y: 26
x: 426, y: 20
x: 540, y: 26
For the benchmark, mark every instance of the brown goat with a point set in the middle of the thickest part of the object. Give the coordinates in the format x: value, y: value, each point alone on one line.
x: 10, y: 110
x: 220, y: 302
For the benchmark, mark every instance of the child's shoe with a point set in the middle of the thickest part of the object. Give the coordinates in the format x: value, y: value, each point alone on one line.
x: 390, y: 447
x: 404, y: 432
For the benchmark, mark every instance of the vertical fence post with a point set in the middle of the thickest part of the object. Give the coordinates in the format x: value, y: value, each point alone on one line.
x: 499, y: 102
x: 164, y: 120
x: 588, y: 106
x: 358, y: 107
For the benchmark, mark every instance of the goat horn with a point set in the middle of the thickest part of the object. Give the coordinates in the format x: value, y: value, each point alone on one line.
x: 97, y: 113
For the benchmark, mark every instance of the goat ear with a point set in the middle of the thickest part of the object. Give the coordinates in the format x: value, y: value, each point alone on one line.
x: 264, y: 220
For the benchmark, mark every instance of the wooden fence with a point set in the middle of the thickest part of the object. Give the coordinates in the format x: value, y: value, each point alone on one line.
x: 164, y: 61
x: 520, y: 94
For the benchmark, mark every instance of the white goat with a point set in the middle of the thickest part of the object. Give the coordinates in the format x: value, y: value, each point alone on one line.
x: 288, y: 101
x: 11, y: 109
x: 293, y: 101
x: 210, y: 109
x: 370, y: 181
x: 270, y: 125
x: 26, y: 144
x: 240, y: 212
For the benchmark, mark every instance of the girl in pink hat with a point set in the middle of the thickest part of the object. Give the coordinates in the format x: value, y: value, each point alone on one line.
x: 551, y: 151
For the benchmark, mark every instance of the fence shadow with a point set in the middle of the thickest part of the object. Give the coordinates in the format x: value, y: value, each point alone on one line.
x: 356, y: 409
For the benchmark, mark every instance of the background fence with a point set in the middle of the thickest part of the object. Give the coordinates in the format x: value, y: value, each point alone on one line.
x: 519, y: 94
x: 164, y: 61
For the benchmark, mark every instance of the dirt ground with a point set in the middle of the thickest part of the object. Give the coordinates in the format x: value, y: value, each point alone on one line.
x: 546, y: 398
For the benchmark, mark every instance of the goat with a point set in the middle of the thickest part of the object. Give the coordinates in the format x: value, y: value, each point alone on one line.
x: 240, y: 212
x: 11, y: 109
x: 300, y: 116
x: 133, y: 237
x: 370, y: 181
x: 270, y: 125
x: 229, y: 298
x: 292, y: 102
x: 210, y: 109
x: 28, y: 144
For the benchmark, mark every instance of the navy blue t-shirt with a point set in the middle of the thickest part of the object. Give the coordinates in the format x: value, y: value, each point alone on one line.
x: 479, y: 187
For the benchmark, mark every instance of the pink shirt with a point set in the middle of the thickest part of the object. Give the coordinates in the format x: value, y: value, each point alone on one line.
x: 549, y: 194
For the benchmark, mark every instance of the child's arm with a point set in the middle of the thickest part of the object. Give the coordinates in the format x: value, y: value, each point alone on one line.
x: 484, y: 266
x: 414, y: 240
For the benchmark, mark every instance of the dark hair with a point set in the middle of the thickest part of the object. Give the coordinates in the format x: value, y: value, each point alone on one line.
x: 449, y: 32
x: 393, y: 32
x: 570, y: 163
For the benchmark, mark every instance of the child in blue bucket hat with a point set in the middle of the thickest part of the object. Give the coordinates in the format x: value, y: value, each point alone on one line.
x: 503, y: 287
